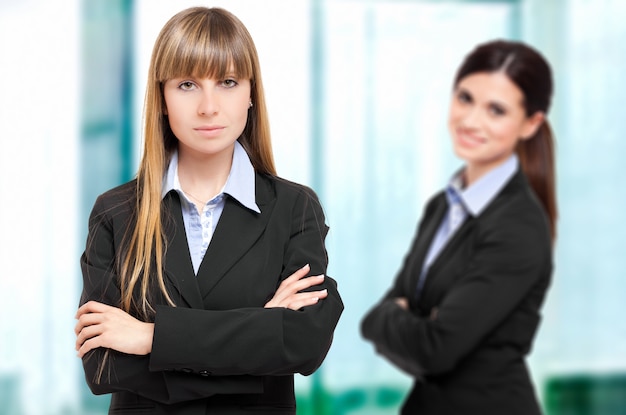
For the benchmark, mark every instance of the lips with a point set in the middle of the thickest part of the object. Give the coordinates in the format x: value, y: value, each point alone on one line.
x: 469, y: 139
x: 210, y: 130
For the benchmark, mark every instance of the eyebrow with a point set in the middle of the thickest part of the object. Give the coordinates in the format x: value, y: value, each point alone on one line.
x: 499, y: 106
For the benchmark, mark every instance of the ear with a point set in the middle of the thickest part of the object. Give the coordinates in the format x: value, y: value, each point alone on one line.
x: 532, y: 124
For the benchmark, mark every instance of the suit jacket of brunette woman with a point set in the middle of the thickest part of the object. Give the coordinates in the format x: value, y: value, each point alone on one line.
x: 218, y: 351
x: 465, y: 339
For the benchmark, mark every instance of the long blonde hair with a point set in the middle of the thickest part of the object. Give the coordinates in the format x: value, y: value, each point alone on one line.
x: 199, y: 42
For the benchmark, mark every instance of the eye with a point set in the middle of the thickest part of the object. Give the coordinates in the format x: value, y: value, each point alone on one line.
x: 229, y: 83
x: 186, y: 85
x: 496, y: 109
x: 464, y: 97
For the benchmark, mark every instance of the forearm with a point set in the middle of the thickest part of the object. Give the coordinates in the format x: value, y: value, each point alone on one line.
x: 252, y: 341
x: 392, y: 330
x: 122, y: 372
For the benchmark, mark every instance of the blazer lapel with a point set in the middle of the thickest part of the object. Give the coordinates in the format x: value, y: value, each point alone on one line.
x: 427, y: 233
x: 178, y: 266
x: 447, y: 252
x: 237, y: 230
x: 461, y: 235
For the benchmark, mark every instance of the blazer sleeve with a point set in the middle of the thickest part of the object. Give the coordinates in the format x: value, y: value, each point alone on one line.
x: 386, y: 317
x: 255, y: 340
x: 109, y: 371
x: 510, y: 263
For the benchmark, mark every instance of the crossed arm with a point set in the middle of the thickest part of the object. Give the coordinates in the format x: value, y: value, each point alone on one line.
x: 101, y: 325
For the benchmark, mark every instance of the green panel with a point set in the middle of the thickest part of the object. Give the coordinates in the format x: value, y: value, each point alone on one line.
x: 585, y: 394
x: 9, y: 397
x: 381, y: 400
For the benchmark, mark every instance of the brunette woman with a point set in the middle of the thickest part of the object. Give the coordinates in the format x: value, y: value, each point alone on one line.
x: 465, y: 306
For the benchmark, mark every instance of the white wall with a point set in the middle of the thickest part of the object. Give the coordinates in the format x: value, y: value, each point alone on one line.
x: 39, y: 77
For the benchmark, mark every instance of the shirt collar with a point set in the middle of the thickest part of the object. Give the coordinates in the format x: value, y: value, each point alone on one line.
x: 239, y: 185
x: 476, y: 197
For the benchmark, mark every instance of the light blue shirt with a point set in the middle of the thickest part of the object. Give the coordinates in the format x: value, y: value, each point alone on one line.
x: 200, y: 227
x: 464, y: 202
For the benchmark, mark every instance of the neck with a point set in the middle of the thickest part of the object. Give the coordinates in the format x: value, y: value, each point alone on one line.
x: 471, y: 174
x: 203, y: 177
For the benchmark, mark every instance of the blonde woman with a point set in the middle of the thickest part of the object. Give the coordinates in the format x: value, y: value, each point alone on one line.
x: 204, y: 278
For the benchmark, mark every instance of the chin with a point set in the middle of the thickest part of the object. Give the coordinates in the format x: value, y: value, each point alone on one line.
x: 463, y: 154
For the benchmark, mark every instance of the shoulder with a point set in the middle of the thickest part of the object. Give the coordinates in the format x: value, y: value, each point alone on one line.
x: 290, y: 199
x: 284, y: 190
x: 437, y: 201
x: 517, y: 215
x: 516, y: 202
x: 120, y: 200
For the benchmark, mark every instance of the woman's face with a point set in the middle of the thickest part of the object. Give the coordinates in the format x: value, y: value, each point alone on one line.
x: 207, y: 115
x: 487, y: 118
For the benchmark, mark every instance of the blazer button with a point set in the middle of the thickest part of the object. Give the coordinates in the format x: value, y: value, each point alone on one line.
x: 204, y: 373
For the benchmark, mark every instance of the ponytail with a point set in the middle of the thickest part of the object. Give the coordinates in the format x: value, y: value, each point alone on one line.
x: 536, y: 156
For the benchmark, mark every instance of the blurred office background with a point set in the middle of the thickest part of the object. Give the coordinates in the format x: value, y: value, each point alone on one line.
x: 358, y: 93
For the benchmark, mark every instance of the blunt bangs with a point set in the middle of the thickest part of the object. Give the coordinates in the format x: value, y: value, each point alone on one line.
x: 206, y: 46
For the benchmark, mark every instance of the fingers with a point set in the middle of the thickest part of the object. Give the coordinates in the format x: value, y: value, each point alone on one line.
x: 100, y: 325
x: 298, y: 301
x: 296, y: 281
x: 86, y: 320
x: 402, y: 302
x: 294, y: 286
x: 92, y: 307
x: 291, y: 288
x: 88, y: 338
x: 302, y: 272
x: 89, y: 325
x: 85, y: 348
x: 92, y: 313
x: 290, y: 294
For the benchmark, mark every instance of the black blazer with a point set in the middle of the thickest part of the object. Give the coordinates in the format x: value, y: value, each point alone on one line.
x: 465, y: 339
x: 218, y: 351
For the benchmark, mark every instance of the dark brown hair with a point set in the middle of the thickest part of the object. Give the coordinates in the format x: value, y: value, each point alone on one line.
x: 531, y: 73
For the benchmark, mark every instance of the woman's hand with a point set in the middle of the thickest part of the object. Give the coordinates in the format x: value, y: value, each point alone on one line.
x: 100, y: 325
x: 402, y: 302
x: 289, y: 296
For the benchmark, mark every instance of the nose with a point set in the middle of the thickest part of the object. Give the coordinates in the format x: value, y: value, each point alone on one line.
x: 208, y: 103
x: 471, y: 118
